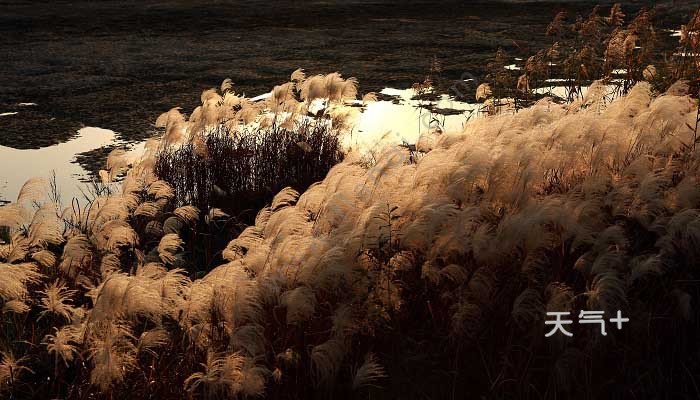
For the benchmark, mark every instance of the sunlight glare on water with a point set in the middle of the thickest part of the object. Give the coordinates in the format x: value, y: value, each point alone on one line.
x: 19, y: 165
x: 392, y: 123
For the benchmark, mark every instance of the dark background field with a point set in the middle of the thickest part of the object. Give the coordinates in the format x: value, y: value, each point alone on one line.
x: 118, y: 65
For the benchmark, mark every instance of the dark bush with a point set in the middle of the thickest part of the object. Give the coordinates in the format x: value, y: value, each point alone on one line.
x: 240, y: 171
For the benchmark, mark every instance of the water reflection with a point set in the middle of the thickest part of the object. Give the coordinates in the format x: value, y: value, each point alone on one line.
x: 16, y: 166
x: 406, y: 118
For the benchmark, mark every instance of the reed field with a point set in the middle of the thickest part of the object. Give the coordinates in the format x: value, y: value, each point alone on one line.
x: 247, y: 253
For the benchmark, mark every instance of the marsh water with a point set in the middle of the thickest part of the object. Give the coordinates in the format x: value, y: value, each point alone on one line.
x: 71, y: 65
x: 19, y: 165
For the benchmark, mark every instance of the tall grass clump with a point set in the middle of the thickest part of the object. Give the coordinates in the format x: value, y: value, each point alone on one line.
x: 235, y: 153
x: 238, y: 171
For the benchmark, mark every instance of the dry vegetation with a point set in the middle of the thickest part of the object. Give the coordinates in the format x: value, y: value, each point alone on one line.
x: 605, y: 46
x: 401, y: 278
x: 245, y: 158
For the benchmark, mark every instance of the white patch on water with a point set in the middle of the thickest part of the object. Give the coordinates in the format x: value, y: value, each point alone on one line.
x: 403, y: 93
x: 404, y: 121
x: 678, y: 33
x: 27, y: 104
x: 261, y: 97
x: 7, y: 114
x: 18, y: 165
